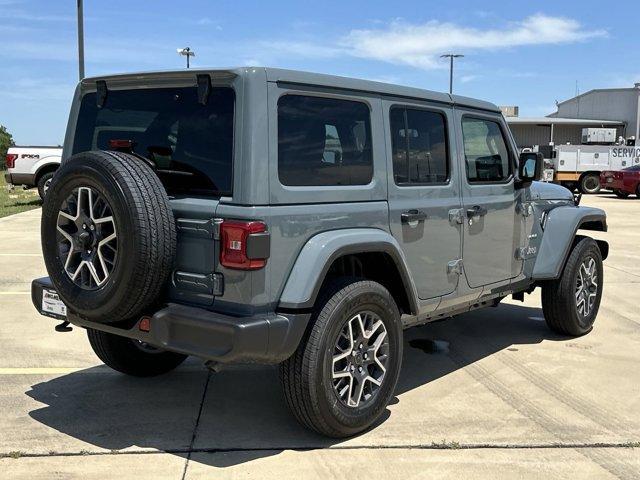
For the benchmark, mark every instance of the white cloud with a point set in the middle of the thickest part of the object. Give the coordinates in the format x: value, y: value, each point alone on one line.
x: 207, y: 22
x: 30, y: 17
x: 420, y: 45
x: 468, y: 78
x: 35, y: 89
x: 303, y: 49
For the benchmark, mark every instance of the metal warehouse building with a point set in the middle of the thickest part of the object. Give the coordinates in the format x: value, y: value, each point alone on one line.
x: 545, y: 130
x: 611, y: 107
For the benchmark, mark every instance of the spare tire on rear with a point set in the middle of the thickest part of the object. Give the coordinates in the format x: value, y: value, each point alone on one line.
x: 108, y: 236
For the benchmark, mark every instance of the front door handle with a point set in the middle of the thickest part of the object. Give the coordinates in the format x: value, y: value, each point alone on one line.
x: 476, y: 211
x: 411, y: 216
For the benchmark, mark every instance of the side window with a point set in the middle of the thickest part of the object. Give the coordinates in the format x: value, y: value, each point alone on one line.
x: 323, y: 142
x: 485, y: 151
x: 419, y: 146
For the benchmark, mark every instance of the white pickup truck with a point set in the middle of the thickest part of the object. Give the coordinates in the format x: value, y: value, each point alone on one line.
x: 32, y: 167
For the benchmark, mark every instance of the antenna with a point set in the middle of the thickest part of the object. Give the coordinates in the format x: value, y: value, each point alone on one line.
x: 451, y: 56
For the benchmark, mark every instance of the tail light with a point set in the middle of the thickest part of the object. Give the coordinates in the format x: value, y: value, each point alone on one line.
x: 244, y: 245
x: 10, y: 160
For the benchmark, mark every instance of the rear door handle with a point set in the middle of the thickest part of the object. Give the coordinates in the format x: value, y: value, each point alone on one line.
x: 414, y: 215
x: 476, y: 211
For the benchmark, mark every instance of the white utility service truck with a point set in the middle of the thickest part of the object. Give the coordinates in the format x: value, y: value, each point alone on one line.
x: 579, y: 166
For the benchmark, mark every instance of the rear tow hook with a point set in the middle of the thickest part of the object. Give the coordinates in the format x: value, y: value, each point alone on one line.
x: 63, y: 327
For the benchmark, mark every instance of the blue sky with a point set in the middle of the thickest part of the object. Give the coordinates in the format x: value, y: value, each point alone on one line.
x: 517, y: 53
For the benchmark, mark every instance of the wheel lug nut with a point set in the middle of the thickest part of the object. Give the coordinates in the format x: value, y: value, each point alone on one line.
x: 360, y: 347
x: 360, y: 369
x: 84, y: 226
x: 92, y: 227
x: 352, y: 368
x: 365, y: 356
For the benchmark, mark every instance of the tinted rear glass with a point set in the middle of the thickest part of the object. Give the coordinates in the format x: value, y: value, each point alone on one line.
x: 635, y: 168
x: 190, y: 144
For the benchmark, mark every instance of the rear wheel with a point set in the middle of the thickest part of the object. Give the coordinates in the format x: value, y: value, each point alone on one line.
x: 343, y: 374
x: 570, y: 303
x: 132, y: 357
x: 590, y: 183
x: 44, y: 183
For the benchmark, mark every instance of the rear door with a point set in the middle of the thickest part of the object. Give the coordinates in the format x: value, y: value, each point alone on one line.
x: 491, y: 233
x: 423, y: 192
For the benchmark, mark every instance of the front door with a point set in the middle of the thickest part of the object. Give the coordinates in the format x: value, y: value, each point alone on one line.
x: 423, y: 191
x: 491, y: 233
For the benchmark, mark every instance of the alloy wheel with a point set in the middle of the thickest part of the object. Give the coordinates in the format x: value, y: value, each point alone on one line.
x: 586, y: 286
x: 46, y: 186
x: 360, y: 359
x: 87, y: 239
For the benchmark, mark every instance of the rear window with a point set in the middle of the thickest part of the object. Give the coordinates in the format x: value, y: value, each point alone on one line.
x: 323, y: 141
x: 635, y: 168
x: 190, y: 144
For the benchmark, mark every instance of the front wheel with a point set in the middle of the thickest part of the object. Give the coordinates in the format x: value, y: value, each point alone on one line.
x: 570, y: 303
x: 345, y: 370
x: 621, y: 194
x: 132, y: 357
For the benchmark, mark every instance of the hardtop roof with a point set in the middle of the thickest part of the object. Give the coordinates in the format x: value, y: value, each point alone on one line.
x: 308, y: 78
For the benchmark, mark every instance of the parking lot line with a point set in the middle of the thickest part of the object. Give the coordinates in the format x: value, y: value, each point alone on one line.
x: 20, y: 254
x: 38, y: 371
x: 88, y: 370
x: 15, y: 293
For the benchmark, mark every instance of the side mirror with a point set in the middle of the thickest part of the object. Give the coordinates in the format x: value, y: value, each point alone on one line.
x: 530, y: 166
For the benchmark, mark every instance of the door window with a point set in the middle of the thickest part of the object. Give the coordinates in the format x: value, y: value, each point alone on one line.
x: 485, y: 150
x: 419, y: 146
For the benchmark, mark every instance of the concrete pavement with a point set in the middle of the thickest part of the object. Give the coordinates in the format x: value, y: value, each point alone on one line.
x: 506, y: 399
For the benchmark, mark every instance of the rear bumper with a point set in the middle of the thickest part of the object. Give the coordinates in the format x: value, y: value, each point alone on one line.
x: 27, y: 179
x: 264, y: 338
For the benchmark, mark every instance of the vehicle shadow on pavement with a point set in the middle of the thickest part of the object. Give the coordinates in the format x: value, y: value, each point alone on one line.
x: 243, y: 408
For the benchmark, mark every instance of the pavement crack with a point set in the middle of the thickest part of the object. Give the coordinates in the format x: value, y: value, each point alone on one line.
x: 195, y: 428
x: 419, y: 446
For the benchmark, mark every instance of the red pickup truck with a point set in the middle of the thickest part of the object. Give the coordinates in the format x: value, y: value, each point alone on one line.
x: 623, y: 182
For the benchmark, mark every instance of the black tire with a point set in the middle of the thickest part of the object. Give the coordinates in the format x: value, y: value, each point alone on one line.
x: 559, y: 302
x: 620, y: 194
x: 590, y: 183
x: 146, y: 237
x: 125, y: 356
x: 638, y: 190
x: 307, y: 376
x: 43, y: 184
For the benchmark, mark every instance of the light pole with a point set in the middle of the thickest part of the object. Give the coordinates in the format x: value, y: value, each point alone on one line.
x: 187, y: 52
x: 451, y: 56
x: 80, y: 40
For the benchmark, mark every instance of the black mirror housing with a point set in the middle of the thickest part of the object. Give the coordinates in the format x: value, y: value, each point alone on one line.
x: 530, y: 166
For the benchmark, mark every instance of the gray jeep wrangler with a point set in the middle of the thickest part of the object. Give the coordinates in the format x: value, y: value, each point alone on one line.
x: 258, y: 215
